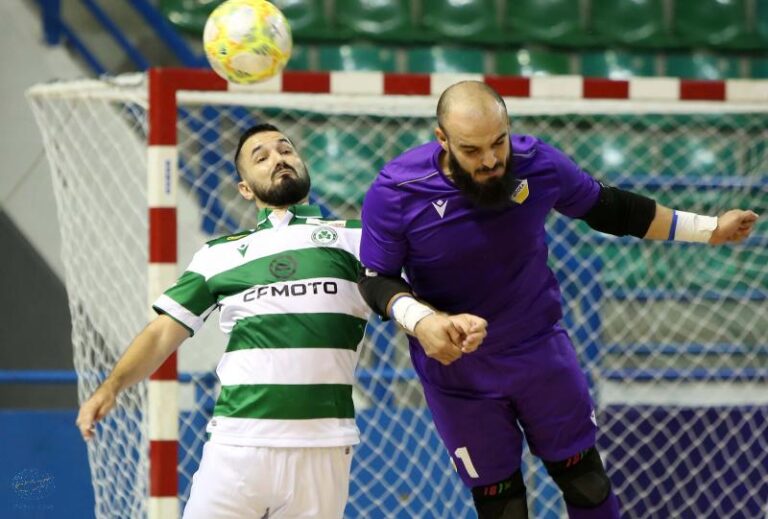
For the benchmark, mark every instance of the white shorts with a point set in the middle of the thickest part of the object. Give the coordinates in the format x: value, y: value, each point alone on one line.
x: 236, y: 482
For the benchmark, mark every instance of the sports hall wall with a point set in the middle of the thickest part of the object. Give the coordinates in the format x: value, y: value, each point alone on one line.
x: 44, y: 470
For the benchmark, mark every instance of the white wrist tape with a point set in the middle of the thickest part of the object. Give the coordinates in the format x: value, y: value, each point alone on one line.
x: 408, y: 312
x: 691, y: 227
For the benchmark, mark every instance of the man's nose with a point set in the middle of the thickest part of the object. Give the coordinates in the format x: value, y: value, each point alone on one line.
x: 489, y: 159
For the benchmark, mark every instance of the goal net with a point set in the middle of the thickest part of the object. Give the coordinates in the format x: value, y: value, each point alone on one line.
x: 672, y: 337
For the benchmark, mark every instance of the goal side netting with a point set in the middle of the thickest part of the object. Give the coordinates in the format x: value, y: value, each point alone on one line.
x: 672, y: 337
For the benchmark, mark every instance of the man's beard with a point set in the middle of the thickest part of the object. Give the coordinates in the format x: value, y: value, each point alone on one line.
x: 494, y: 193
x: 289, y: 190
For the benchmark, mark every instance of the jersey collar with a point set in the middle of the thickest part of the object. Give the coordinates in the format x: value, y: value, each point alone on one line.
x: 303, y: 211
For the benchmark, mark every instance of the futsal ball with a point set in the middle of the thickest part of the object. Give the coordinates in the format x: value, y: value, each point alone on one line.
x: 247, y: 41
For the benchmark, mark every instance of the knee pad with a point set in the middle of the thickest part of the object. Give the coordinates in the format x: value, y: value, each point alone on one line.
x: 502, y: 500
x: 581, y: 478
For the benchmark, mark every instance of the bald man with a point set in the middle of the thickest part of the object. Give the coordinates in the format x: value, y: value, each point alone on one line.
x: 463, y: 218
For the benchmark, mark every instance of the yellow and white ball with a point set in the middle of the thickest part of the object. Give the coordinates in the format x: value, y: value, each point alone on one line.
x: 247, y: 41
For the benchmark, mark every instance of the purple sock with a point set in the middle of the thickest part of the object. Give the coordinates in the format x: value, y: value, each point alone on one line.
x: 608, y: 510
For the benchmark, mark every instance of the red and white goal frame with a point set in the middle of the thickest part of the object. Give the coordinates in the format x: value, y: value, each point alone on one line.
x: 537, y: 99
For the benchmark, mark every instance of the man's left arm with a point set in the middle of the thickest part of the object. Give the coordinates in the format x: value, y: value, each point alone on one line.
x: 622, y: 213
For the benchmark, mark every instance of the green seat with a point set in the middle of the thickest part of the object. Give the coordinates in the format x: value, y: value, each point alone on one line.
x: 710, y: 201
x: 382, y: 20
x: 625, y: 267
x: 187, y: 15
x: 554, y: 22
x: 615, y: 64
x: 612, y: 155
x: 697, y: 155
x: 699, y: 65
x: 445, y: 59
x: 634, y: 23
x: 677, y: 268
x: 715, y: 23
x: 762, y: 23
x: 533, y: 62
x: 469, y: 21
x: 758, y: 68
x: 299, y: 58
x: 356, y: 57
x: 335, y: 155
x: 307, y: 19
x: 413, y: 137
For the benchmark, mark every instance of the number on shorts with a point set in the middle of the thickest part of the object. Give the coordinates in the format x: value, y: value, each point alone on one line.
x: 463, y: 454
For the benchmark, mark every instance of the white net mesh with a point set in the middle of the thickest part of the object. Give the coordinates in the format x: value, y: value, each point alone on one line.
x: 96, y: 151
x: 673, y: 337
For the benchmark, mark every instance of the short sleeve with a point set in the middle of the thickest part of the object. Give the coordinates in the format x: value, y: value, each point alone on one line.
x: 578, y: 190
x: 383, y: 245
x: 189, y: 301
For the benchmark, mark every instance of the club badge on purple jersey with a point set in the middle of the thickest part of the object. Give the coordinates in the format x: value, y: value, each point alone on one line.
x: 520, y: 194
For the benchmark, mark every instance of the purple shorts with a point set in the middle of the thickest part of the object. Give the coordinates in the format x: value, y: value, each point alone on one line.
x: 484, y: 402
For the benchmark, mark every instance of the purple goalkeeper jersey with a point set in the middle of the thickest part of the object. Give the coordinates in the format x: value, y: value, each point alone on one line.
x: 461, y: 258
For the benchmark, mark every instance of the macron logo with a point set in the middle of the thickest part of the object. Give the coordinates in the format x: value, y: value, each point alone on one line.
x: 440, y: 207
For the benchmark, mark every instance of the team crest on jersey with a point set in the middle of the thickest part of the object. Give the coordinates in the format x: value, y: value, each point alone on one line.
x: 521, y: 192
x: 324, y: 236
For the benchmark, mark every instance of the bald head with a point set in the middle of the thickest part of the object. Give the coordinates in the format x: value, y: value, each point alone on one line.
x: 469, y: 100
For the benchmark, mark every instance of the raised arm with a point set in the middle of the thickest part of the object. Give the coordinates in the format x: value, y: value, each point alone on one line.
x: 622, y: 213
x: 145, y: 354
x: 732, y: 226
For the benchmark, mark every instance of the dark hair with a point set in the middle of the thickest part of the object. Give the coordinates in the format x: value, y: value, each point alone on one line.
x: 253, y: 130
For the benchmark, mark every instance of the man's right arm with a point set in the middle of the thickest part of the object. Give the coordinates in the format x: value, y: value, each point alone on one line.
x: 383, y: 249
x: 145, y: 354
x: 444, y: 337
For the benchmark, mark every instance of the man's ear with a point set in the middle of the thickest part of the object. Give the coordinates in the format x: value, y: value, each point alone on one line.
x: 245, y: 190
x: 442, y: 138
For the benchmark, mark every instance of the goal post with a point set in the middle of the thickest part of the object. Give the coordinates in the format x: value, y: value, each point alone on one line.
x: 162, y: 186
x: 672, y: 337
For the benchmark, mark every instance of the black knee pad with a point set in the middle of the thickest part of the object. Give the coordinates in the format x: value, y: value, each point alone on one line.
x: 581, y: 478
x: 502, y: 500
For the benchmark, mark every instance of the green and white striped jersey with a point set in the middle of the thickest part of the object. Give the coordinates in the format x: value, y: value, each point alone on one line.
x: 287, y: 296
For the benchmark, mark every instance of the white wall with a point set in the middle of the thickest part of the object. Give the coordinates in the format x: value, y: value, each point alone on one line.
x: 26, y: 194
